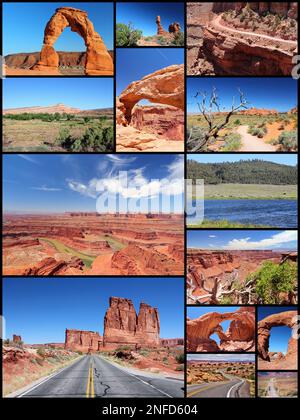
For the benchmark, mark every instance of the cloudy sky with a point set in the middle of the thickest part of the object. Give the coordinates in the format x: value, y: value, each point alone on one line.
x: 58, y: 183
x: 242, y: 240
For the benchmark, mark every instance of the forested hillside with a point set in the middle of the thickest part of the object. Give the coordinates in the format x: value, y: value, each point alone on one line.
x: 243, y: 172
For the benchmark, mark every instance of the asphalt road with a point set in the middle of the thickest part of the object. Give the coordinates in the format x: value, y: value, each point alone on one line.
x: 229, y: 389
x: 93, y: 377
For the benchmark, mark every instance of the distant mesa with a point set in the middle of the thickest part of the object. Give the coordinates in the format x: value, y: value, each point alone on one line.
x: 57, y: 108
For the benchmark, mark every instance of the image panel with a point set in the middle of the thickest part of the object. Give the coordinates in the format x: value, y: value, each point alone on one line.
x: 44, y: 44
x: 220, y: 329
x: 242, y: 114
x: 241, y: 39
x: 150, y: 24
x: 277, y: 384
x: 109, y: 337
x: 150, y: 100
x: 72, y: 115
x: 242, y: 267
x: 277, y: 340
x: 88, y: 214
x: 242, y: 191
x: 221, y: 376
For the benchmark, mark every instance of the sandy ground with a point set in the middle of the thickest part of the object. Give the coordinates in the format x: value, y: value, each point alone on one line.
x: 130, y: 139
x: 253, y: 143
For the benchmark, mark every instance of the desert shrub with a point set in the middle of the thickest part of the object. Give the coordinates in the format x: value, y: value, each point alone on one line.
x: 126, y: 35
x: 232, y: 142
x: 273, y: 279
x: 123, y: 348
x: 95, y: 139
x: 288, y: 141
x: 179, y: 368
x: 237, y: 122
x: 41, y: 351
x: 165, y: 361
x: 144, y: 352
x: 180, y: 358
x: 6, y: 342
x: 260, y: 133
x: 86, y: 120
x: 178, y: 39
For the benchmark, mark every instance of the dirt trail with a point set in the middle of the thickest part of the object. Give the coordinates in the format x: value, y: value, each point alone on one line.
x: 218, y: 25
x: 252, y: 143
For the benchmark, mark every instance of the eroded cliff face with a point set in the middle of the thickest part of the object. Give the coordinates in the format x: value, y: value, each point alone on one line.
x: 284, y: 8
x: 123, y: 326
x: 85, y: 341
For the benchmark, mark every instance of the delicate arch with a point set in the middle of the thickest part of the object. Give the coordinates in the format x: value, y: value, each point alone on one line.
x: 98, y: 59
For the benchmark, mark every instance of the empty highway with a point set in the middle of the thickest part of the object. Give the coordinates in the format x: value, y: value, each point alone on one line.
x: 94, y: 377
x: 225, y: 389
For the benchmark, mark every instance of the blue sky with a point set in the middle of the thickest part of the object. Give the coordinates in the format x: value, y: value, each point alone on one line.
x: 26, y: 35
x: 279, y: 335
x: 196, y: 312
x: 134, y: 63
x: 242, y: 240
x: 269, y: 93
x: 143, y: 15
x: 83, y: 93
x: 285, y: 159
x: 60, y: 182
x: 41, y: 309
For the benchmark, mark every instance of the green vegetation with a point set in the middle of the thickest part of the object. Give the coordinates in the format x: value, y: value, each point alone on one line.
x: 62, y: 132
x: 180, y: 358
x: 60, y: 247
x: 224, y: 224
x: 127, y: 35
x: 178, y: 39
x: 287, y: 141
x: 249, y: 192
x: 272, y: 279
x: 233, y: 142
x: 113, y: 243
x: 41, y: 351
x: 254, y: 171
x: 95, y: 139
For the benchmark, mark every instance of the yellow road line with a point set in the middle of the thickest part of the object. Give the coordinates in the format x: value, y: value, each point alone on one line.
x: 90, y: 388
x: 88, y: 385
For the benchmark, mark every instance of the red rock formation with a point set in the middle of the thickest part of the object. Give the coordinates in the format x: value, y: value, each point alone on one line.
x: 160, y: 29
x: 240, y: 335
x: 123, y: 326
x: 98, y: 60
x: 49, y: 267
x: 85, y: 341
x: 171, y: 342
x: 165, y: 86
x: 174, y: 28
x: 289, y: 361
x: 166, y: 121
x: 17, y: 339
x: 286, y: 9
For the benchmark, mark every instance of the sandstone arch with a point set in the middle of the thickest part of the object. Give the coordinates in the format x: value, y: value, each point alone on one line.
x: 165, y: 86
x: 289, y: 319
x: 239, y: 336
x: 98, y: 59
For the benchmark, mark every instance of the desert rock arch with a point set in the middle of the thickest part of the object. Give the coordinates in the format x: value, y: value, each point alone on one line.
x: 165, y: 86
x: 288, y: 319
x: 98, y: 59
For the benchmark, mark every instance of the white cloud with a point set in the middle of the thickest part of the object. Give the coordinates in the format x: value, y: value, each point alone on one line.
x: 44, y: 188
x: 275, y: 241
x: 133, y: 183
x: 28, y: 158
x: 212, y: 236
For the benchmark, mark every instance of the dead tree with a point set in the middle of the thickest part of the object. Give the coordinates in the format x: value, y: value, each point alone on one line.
x: 208, y: 109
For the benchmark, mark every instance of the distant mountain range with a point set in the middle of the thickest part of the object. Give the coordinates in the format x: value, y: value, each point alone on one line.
x: 60, y: 108
x: 255, y: 111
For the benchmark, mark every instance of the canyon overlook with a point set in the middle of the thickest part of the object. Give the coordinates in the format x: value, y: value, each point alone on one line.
x: 238, y: 38
x: 218, y: 274
x: 92, y: 243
